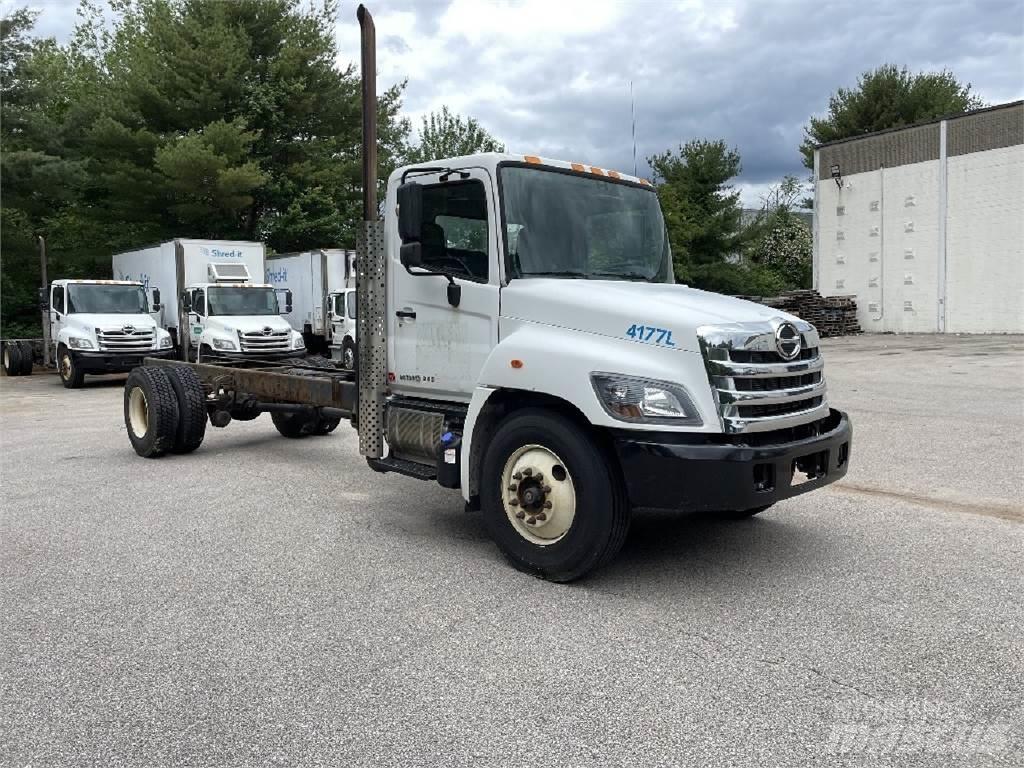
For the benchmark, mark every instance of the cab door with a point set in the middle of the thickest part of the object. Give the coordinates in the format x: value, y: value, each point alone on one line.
x: 336, y: 317
x: 57, y: 310
x: 197, y: 317
x: 436, y: 349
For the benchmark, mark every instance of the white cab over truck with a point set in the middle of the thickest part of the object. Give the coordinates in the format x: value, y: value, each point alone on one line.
x: 322, y: 284
x: 102, y: 326
x: 522, y: 339
x: 218, y: 310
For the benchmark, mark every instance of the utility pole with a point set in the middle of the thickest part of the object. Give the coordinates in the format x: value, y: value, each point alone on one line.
x: 45, y: 312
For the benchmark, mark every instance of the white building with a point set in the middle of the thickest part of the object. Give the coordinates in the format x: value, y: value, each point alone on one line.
x: 924, y: 225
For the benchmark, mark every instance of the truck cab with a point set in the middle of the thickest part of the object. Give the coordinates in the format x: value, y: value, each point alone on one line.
x: 536, y: 339
x: 232, y: 319
x: 102, y: 326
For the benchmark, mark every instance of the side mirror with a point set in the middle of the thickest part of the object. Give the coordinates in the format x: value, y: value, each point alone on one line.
x: 156, y: 300
x: 410, y: 211
x: 44, y: 298
x: 411, y: 255
x: 287, y: 302
x: 186, y: 301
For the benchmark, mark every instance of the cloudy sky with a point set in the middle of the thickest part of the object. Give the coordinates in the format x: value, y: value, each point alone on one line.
x: 551, y: 77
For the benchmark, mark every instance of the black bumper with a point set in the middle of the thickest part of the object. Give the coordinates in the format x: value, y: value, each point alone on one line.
x: 115, y: 362
x: 706, y: 473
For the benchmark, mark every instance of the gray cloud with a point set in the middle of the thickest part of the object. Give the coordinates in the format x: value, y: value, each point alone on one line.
x: 750, y: 72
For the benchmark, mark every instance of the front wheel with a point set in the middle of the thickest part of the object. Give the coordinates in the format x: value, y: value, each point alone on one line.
x: 71, y: 375
x: 552, y: 497
x: 348, y: 354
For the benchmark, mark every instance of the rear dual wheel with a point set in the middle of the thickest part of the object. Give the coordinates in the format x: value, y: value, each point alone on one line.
x: 164, y: 410
x: 17, y: 358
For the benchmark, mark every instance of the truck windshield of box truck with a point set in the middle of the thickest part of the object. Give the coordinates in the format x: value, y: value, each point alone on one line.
x: 91, y: 298
x: 236, y: 300
x: 562, y: 224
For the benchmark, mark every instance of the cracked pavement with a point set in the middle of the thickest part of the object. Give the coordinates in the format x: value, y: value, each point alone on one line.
x: 274, y: 602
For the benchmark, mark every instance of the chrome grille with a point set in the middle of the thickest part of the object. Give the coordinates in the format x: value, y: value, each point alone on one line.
x: 258, y: 341
x: 756, y: 388
x: 125, y: 339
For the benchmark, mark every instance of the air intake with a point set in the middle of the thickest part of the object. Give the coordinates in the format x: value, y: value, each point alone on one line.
x: 229, y: 273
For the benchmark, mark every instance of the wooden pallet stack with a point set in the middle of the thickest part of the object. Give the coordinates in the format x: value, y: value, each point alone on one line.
x: 831, y: 315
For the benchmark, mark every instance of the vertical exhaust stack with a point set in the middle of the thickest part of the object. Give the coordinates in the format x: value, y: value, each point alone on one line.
x: 369, y: 72
x: 371, y: 293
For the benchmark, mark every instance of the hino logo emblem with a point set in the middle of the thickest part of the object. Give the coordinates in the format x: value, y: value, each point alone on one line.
x: 267, y: 330
x: 128, y: 330
x: 788, y: 341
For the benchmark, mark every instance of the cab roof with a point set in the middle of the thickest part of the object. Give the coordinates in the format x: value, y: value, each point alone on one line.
x: 491, y: 161
x: 75, y: 281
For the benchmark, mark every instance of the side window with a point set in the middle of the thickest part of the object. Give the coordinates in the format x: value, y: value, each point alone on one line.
x: 351, y: 299
x: 57, y: 301
x: 455, y: 229
x: 199, y: 301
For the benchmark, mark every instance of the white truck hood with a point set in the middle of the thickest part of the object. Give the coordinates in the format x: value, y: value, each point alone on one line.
x: 88, y: 322
x: 612, y: 307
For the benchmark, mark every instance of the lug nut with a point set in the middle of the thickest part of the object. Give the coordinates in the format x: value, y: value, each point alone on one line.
x: 513, y: 502
x: 517, y: 476
x: 513, y: 487
x: 531, y: 521
x: 542, y: 517
x: 539, y: 476
x: 527, y: 472
x: 547, y: 505
x: 546, y: 489
x: 520, y: 514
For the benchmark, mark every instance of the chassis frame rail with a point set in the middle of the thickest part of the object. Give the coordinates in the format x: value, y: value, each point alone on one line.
x: 285, y: 382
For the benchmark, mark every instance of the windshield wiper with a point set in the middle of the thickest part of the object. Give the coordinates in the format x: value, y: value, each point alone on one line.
x: 555, y: 273
x: 625, y: 275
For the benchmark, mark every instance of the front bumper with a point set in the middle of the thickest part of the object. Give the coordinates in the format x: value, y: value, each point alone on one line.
x: 115, y: 362
x: 691, y: 472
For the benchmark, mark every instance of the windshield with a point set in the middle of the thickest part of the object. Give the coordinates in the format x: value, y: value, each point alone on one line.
x: 565, y: 225
x: 96, y: 298
x: 235, y: 300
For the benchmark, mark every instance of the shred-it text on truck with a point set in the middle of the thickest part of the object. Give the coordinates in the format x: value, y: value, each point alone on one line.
x: 521, y: 339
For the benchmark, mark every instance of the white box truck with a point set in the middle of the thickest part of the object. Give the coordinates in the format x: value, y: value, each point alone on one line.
x: 322, y: 282
x: 218, y: 310
x: 102, y: 326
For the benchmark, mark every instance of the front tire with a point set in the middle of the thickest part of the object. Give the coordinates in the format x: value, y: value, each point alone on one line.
x: 294, y: 425
x: 150, y: 411
x: 552, y: 497
x: 71, y: 375
x: 348, y: 354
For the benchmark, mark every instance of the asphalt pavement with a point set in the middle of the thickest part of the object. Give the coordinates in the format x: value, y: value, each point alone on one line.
x: 274, y: 602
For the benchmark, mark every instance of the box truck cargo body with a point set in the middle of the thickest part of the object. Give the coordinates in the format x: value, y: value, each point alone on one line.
x: 218, y: 308
x: 319, y: 280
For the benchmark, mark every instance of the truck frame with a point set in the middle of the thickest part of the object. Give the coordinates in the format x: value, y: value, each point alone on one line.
x: 569, y: 425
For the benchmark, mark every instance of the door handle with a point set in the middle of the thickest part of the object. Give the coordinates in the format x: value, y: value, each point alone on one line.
x: 409, y: 313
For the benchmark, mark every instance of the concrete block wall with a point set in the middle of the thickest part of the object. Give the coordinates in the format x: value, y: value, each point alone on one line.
x: 927, y: 240
x: 985, y: 242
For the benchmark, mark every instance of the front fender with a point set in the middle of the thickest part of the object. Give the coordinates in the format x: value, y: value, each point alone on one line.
x: 559, y: 361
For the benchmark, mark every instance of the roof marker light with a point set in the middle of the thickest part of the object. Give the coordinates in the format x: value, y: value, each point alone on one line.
x: 596, y: 171
x: 578, y: 167
x: 532, y: 159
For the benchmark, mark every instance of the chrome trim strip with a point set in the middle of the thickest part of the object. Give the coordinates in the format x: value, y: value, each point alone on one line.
x: 754, y: 370
x: 771, y: 396
x: 735, y: 424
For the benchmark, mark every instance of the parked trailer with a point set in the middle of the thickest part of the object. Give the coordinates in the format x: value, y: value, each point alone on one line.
x: 558, y: 378
x: 319, y: 281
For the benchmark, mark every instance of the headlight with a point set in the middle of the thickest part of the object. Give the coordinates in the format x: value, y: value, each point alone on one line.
x: 224, y: 344
x: 298, y: 343
x: 645, y: 400
x: 76, y: 343
x: 166, y: 343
